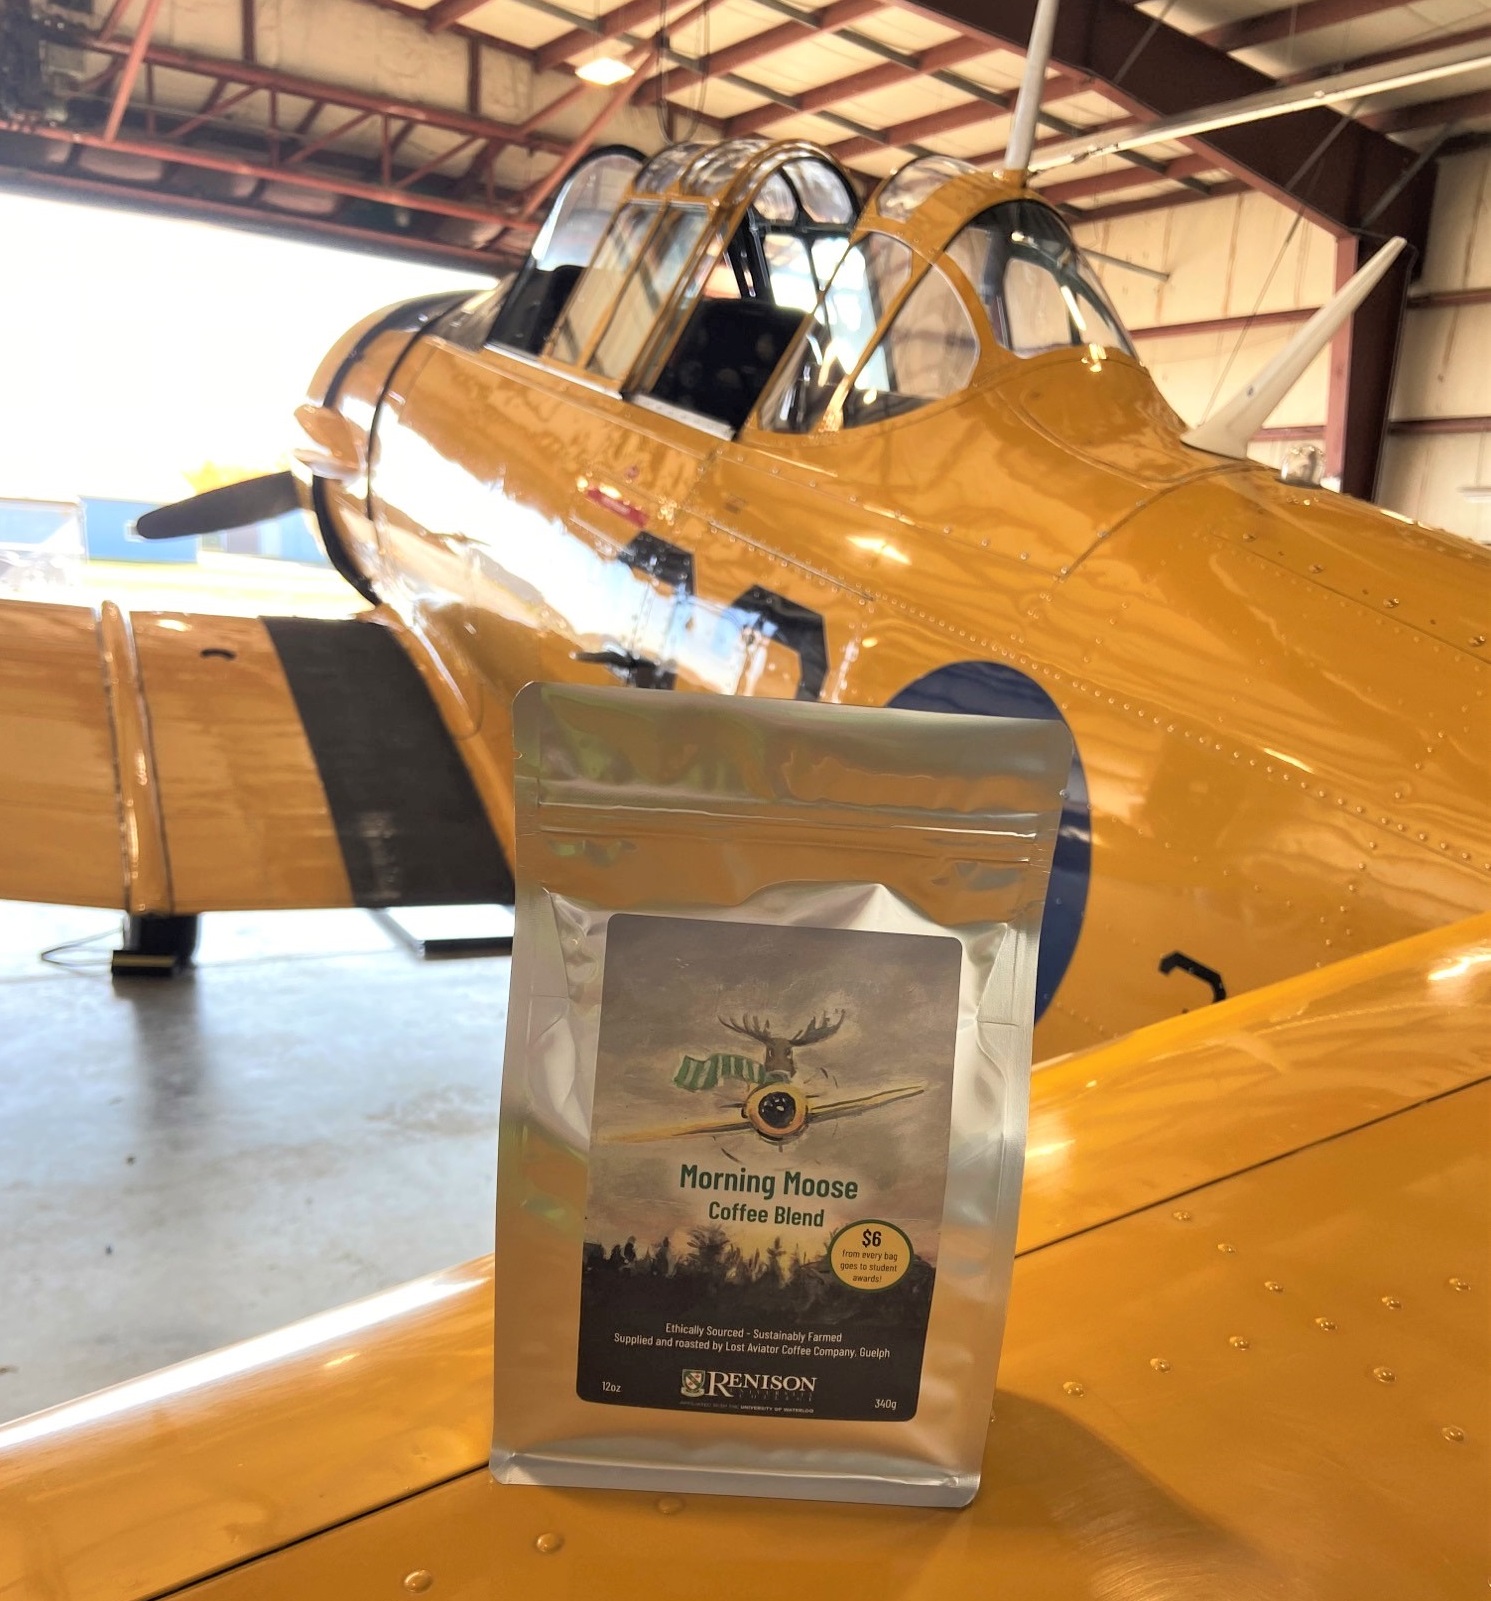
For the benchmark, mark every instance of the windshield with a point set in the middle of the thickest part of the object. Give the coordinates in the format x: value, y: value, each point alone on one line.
x: 585, y: 205
x: 1038, y: 291
x: 869, y: 276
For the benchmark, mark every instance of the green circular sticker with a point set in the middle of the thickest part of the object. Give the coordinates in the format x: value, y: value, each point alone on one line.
x: 870, y: 1255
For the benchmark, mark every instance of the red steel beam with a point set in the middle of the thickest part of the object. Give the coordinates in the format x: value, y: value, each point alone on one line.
x: 355, y: 121
x: 1442, y: 299
x: 1106, y: 183
x: 1152, y: 68
x: 215, y: 105
x: 246, y: 72
x: 1226, y: 325
x: 1441, y: 425
x: 969, y: 114
x: 838, y: 15
x: 419, y: 16
x: 1292, y: 20
x: 889, y: 73
x: 576, y: 91
x: 1338, y: 394
x: 1289, y: 432
x: 213, y: 161
x: 930, y: 61
x: 241, y: 213
x: 1447, y: 41
x: 478, y: 169
x: 110, y: 25
x: 1379, y: 121
x: 1295, y: 315
x: 446, y: 12
x: 1362, y: 373
x: 1403, y: 425
x: 618, y: 97
x: 1134, y: 208
x: 134, y: 59
x: 1431, y: 113
x: 435, y: 161
x: 884, y: 76
x: 634, y: 14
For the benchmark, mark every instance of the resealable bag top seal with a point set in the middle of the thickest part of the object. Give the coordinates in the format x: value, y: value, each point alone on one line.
x: 765, y: 1091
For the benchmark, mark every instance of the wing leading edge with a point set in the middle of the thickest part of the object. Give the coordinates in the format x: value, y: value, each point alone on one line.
x: 1232, y: 1220
x: 170, y: 763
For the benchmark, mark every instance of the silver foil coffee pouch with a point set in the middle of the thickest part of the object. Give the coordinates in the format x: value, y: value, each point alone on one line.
x: 765, y: 1090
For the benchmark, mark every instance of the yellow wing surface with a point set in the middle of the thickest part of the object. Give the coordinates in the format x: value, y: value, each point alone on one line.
x: 1248, y: 1355
x: 170, y: 763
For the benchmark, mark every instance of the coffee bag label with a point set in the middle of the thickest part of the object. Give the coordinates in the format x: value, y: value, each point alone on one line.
x: 768, y: 1166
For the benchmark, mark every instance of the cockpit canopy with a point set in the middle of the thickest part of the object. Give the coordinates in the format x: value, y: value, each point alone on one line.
x: 904, y: 324
x: 684, y: 281
x: 701, y: 278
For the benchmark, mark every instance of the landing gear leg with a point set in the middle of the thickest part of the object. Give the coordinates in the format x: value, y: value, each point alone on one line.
x: 155, y: 947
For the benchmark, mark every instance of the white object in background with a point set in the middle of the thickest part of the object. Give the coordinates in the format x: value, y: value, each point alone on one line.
x: 1360, y: 83
x: 1228, y: 432
x: 1032, y: 85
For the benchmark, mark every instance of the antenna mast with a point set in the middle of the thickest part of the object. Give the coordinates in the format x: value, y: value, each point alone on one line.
x: 1028, y: 106
x: 1227, y: 432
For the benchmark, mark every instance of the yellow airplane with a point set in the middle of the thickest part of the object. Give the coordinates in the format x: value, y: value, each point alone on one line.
x: 728, y: 431
x: 949, y: 485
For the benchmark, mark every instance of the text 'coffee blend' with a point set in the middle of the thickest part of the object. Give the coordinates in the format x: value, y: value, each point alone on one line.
x: 765, y: 1092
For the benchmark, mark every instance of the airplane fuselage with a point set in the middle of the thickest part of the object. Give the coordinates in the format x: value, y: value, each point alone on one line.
x: 1277, y: 694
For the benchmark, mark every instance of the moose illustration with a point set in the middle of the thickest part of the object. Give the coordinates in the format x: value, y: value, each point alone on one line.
x: 779, y: 1065
x: 775, y: 1107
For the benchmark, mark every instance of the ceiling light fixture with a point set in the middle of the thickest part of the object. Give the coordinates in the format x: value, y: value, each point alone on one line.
x: 604, y: 70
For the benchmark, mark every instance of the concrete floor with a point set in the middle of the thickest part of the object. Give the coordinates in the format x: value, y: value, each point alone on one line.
x: 307, y: 1118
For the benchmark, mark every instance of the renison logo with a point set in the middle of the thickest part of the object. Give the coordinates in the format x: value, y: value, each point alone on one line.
x: 698, y: 1384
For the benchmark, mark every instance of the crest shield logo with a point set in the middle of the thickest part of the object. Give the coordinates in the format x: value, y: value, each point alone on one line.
x: 693, y: 1382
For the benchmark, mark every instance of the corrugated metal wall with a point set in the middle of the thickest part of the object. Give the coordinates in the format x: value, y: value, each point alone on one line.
x: 1444, y: 367
x: 1247, y: 254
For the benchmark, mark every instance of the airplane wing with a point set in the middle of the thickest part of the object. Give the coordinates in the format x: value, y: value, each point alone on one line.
x: 1247, y: 1356
x: 170, y: 763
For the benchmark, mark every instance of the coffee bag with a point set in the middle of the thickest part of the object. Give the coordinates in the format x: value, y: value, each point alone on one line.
x: 765, y: 1090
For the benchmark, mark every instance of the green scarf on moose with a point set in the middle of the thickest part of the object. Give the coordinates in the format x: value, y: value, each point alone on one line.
x: 705, y: 1072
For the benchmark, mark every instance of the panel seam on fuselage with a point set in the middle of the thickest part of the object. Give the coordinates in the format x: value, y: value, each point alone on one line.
x: 311, y: 1534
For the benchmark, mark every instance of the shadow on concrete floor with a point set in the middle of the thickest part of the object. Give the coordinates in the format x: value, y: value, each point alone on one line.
x: 308, y: 1117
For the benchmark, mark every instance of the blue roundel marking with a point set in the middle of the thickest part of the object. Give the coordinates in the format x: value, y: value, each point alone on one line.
x: 990, y: 689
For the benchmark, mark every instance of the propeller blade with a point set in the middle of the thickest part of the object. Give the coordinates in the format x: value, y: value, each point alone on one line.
x: 255, y: 500
x: 681, y: 1131
x: 861, y: 1103
x: 736, y: 1125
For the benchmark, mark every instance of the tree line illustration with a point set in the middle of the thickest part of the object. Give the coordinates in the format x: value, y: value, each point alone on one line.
x: 712, y: 1274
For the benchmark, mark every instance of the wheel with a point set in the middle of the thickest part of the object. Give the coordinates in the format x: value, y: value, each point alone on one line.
x: 175, y: 937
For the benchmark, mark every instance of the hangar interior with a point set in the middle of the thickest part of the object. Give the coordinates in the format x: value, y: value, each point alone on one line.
x: 204, y: 1160
x: 446, y: 128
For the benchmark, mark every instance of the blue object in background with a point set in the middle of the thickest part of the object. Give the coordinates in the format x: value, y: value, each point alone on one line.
x: 287, y: 537
x: 994, y: 689
x: 33, y: 522
x: 106, y: 526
